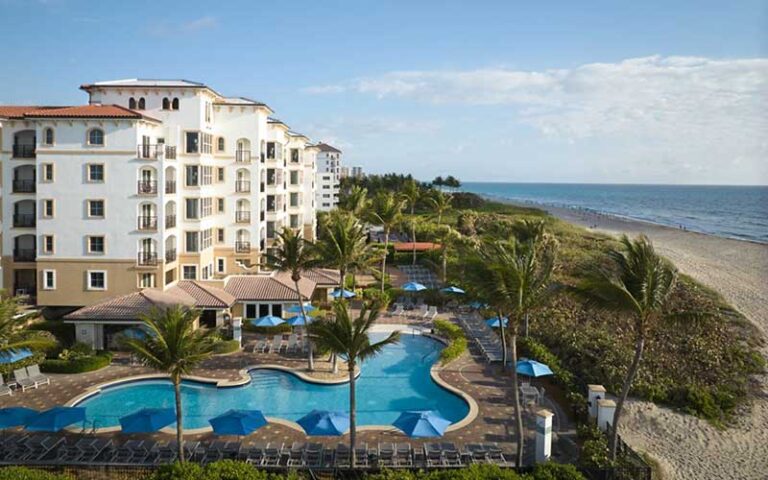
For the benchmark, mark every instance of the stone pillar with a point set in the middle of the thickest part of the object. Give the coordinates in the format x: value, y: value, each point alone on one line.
x: 543, y: 435
x: 237, y: 330
x: 605, y: 410
x: 594, y: 394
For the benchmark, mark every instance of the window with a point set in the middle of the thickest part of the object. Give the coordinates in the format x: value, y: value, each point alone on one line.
x: 206, y: 238
x: 207, y: 141
x: 48, y: 210
x: 48, y: 244
x: 208, y: 111
x: 294, y: 177
x: 49, y: 279
x: 192, y: 208
x: 206, y: 207
x: 192, y: 141
x: 192, y: 175
x: 326, y: 195
x: 96, y: 244
x: 205, y: 274
x: 132, y: 103
x: 142, y: 103
x: 96, y: 137
x: 175, y: 104
x: 47, y: 172
x: 207, y: 175
x: 96, y: 208
x: 48, y: 136
x: 295, y: 155
x: 219, y: 235
x: 294, y: 221
x: 221, y: 265
x: 294, y: 199
x: 146, y: 280
x: 270, y: 149
x: 220, y: 205
x: 166, y: 103
x: 220, y: 144
x: 170, y: 276
x: 97, y: 279
x: 192, y: 243
x: 95, y: 172
x: 189, y: 272
x: 220, y: 174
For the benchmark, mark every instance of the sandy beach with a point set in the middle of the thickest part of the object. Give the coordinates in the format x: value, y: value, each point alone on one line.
x: 685, y: 446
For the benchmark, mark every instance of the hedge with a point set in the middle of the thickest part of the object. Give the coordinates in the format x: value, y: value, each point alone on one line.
x: 64, y: 332
x: 226, y: 346
x: 23, y: 473
x: 458, y: 342
x: 77, y: 365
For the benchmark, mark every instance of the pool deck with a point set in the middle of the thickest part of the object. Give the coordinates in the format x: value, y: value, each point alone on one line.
x: 486, y: 384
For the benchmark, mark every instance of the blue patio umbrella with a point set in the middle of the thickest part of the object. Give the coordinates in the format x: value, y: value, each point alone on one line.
x: 148, y: 420
x: 308, y: 307
x: 238, y: 422
x: 134, y: 333
x: 422, y: 423
x: 342, y: 294
x: 453, y: 289
x: 495, y: 323
x: 15, y: 416
x: 477, y: 305
x: 13, y: 356
x: 532, y: 368
x: 324, y: 423
x: 413, y: 287
x: 267, y: 321
x: 55, y: 419
x: 300, y: 320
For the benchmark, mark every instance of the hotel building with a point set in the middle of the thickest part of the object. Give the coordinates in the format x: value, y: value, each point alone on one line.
x: 328, y: 176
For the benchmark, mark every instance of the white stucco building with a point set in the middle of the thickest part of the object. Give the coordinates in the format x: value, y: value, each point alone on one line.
x: 328, y: 176
x: 150, y: 183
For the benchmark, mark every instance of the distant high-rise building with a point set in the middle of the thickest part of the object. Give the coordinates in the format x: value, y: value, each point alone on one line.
x: 329, y: 172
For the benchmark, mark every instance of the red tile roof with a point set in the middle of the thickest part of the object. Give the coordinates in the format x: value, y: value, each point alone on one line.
x: 277, y: 287
x: 130, y: 307
x: 87, y: 111
x: 324, y: 147
x: 420, y: 246
x: 204, y: 296
x: 323, y: 277
x: 18, y: 111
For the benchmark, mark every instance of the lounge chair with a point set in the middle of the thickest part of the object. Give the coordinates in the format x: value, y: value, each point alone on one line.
x: 476, y: 453
x: 253, y: 454
x: 404, y: 455
x: 296, y: 454
x: 343, y: 457
x: 23, y: 380
x: 272, y: 455
x: 361, y: 455
x: 33, y: 371
x: 292, y: 343
x: 313, y: 455
x: 451, y: 455
x: 434, y: 454
x: 5, y: 389
x: 277, y: 344
x: 386, y: 455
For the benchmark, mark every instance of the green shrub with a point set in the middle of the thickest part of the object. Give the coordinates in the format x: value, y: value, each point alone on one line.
x: 226, y: 346
x: 556, y: 471
x: 178, y: 471
x: 458, y: 342
x: 24, y: 473
x: 594, y: 447
x: 232, y: 470
x: 8, y: 368
x: 372, y: 295
x: 78, y: 364
x: 64, y: 332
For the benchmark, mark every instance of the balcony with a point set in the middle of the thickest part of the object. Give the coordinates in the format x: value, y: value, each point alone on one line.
x: 147, y: 222
x: 170, y: 187
x: 24, y: 220
x: 170, y: 221
x: 243, y: 217
x: 170, y: 255
x: 262, y: 187
x: 242, y: 247
x: 147, y: 259
x: 147, y: 187
x: 243, y: 186
x: 170, y: 152
x: 24, y: 254
x: 24, y: 151
x: 24, y: 186
x: 263, y: 244
x: 243, y: 156
x: 262, y: 215
x: 149, y: 151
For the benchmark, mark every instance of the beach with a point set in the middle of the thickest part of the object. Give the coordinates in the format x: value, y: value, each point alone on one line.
x: 684, y: 446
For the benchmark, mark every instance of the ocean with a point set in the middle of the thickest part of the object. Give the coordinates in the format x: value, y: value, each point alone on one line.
x: 725, y: 211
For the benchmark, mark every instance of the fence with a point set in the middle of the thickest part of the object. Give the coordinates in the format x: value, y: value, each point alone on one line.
x: 631, y: 466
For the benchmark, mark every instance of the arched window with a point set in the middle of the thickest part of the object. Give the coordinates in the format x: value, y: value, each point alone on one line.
x: 132, y: 103
x: 142, y: 103
x: 166, y: 104
x: 48, y: 136
x: 96, y: 136
x: 175, y: 104
x: 220, y: 144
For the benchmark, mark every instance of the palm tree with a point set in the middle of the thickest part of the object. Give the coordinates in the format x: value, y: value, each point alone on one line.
x: 387, y: 211
x: 356, y: 201
x: 173, y: 345
x: 293, y: 254
x: 441, y: 203
x: 638, y: 287
x: 446, y: 235
x: 13, y: 335
x: 350, y: 339
x: 342, y: 243
x: 411, y: 193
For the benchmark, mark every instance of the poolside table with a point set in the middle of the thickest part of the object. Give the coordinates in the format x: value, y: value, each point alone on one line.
x: 528, y: 391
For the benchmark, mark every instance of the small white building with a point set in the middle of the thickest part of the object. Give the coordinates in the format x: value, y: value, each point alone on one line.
x: 328, y: 176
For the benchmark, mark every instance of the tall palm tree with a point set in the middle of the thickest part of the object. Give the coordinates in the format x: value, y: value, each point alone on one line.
x: 441, y: 203
x: 411, y: 193
x: 350, y: 339
x: 355, y: 201
x: 293, y: 254
x: 13, y: 335
x: 445, y: 235
x: 387, y: 211
x: 342, y: 243
x: 174, y: 346
x: 637, y: 286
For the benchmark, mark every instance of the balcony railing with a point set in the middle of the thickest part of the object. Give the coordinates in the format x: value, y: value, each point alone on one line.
x: 242, y: 247
x: 23, y: 151
x: 147, y: 258
x: 170, y: 255
x: 147, y: 187
x: 170, y: 152
x: 147, y: 222
x: 24, y: 220
x: 23, y: 186
x: 243, y: 217
x: 24, y: 254
x: 170, y: 186
x: 170, y: 221
x: 262, y: 215
x: 243, y: 186
x: 150, y: 151
x: 243, y: 156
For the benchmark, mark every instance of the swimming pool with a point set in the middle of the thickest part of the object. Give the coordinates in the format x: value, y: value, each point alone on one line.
x: 396, y: 380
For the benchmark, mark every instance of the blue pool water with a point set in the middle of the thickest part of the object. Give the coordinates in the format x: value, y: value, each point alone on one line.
x: 396, y: 380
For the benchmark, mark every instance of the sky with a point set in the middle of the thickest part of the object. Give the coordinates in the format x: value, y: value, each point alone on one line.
x: 593, y: 92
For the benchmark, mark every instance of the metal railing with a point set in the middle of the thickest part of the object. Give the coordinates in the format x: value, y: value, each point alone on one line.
x: 243, y: 156
x: 170, y: 152
x: 147, y: 222
x: 24, y: 254
x: 170, y: 221
x: 242, y: 247
x: 243, y: 186
x: 170, y: 186
x: 170, y: 255
x: 147, y: 187
x: 24, y: 151
x: 149, y: 151
x: 147, y: 258
x: 24, y: 220
x: 24, y: 186
x: 243, y: 217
